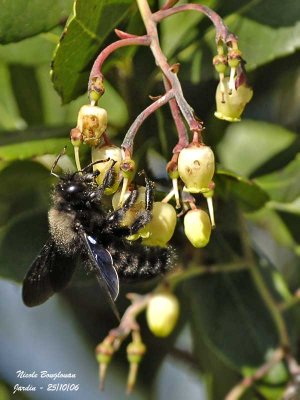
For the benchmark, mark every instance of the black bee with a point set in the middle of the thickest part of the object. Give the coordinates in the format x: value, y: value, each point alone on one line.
x: 80, y: 226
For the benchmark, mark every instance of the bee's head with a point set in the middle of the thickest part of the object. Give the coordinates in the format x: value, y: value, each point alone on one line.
x: 75, y: 186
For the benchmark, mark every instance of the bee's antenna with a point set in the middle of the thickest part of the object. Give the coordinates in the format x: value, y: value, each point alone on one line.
x: 94, y: 163
x: 56, y: 161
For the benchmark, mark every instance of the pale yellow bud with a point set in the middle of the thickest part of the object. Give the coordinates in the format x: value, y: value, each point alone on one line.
x: 197, y: 227
x: 162, y: 225
x: 196, y: 167
x: 162, y: 314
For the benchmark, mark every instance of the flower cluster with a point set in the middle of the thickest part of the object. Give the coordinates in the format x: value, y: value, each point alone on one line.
x: 191, y: 168
x: 232, y: 93
x: 162, y: 311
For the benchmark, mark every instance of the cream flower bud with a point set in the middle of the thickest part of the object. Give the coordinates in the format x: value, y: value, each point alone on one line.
x: 92, y: 123
x: 231, y: 104
x: 113, y: 153
x: 162, y: 225
x: 197, y: 227
x: 196, y: 167
x: 162, y: 314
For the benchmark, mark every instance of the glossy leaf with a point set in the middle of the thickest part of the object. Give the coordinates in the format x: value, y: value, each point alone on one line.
x: 227, y: 308
x: 10, y: 115
x: 267, y: 30
x: 31, y: 148
x: 32, y: 51
x: 29, y: 191
x: 238, y: 150
x: 246, y: 192
x: 82, y: 41
x: 283, y: 186
x: 20, y: 20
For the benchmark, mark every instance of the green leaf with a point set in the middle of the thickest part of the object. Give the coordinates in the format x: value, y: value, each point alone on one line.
x: 24, y: 187
x: 10, y: 116
x: 270, y: 220
x: 275, y: 23
x: 29, y: 144
x: 249, y: 144
x: 32, y: 51
x: 27, y: 91
x: 29, y: 231
x: 230, y: 185
x: 31, y: 148
x: 180, y: 29
x: 267, y: 30
x: 55, y: 113
x: 227, y: 309
x: 20, y: 20
x: 283, y: 188
x: 85, y: 33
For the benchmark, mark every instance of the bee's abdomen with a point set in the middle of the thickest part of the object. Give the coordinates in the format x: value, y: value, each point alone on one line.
x: 135, y: 261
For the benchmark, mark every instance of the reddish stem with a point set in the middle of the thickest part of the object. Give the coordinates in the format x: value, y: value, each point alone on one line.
x: 222, y: 31
x: 183, y: 139
x: 162, y: 62
x: 127, y: 144
x: 132, y: 40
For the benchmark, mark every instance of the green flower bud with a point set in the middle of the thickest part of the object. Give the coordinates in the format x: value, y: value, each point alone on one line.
x: 234, y: 58
x: 113, y: 153
x: 231, y: 106
x: 128, y: 169
x: 197, y: 227
x: 76, y: 137
x: 104, y: 352
x: 220, y: 63
x: 92, y: 123
x: 96, y: 89
x: 162, y: 314
x: 162, y: 225
x: 135, y: 351
x: 196, y: 167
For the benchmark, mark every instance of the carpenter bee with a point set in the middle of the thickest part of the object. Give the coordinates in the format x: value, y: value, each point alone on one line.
x: 82, y: 227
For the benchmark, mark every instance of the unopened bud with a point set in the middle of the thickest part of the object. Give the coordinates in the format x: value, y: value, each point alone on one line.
x: 96, y: 89
x: 234, y: 58
x: 162, y: 314
x: 197, y: 227
x: 162, y: 225
x: 76, y: 137
x: 135, y: 352
x: 220, y: 63
x: 104, y: 353
x: 92, y: 123
x: 128, y: 168
x: 196, y: 167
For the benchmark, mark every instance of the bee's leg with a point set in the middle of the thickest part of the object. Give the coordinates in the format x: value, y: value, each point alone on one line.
x: 108, y: 181
x: 115, y: 217
x: 145, y: 216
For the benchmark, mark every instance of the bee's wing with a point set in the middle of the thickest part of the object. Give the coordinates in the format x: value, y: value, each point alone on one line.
x: 50, y: 272
x: 102, y: 264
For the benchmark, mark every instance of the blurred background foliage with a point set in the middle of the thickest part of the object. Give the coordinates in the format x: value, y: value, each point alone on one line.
x: 226, y: 328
